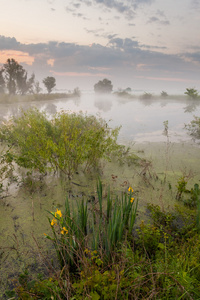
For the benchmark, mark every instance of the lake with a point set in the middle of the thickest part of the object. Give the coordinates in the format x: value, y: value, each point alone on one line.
x: 141, y: 120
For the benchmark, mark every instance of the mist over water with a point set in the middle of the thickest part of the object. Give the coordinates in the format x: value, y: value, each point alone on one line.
x: 140, y: 120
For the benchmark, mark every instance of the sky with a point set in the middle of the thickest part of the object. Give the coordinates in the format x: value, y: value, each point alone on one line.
x: 147, y: 45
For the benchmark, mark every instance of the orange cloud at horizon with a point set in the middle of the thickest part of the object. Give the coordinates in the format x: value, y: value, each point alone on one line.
x: 19, y: 56
x: 165, y: 78
x: 76, y: 74
x: 51, y: 62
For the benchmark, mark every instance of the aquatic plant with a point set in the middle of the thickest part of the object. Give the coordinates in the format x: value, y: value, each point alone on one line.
x: 92, y: 227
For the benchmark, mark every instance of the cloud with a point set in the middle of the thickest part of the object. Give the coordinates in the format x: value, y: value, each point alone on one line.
x: 8, y: 43
x: 158, y: 20
x: 95, y: 32
x: 78, y: 74
x: 166, y: 79
x: 76, y: 5
x: 195, y: 4
x: 124, y: 59
x: 21, y: 57
x: 123, y: 43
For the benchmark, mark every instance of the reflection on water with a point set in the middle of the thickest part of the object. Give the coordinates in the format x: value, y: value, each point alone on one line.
x: 141, y: 120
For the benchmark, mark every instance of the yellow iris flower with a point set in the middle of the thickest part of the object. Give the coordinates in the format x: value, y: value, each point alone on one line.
x: 132, y: 199
x: 58, y: 213
x: 64, y: 231
x: 130, y: 189
x: 53, y: 222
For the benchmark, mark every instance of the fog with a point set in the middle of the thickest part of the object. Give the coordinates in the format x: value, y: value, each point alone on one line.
x: 140, y: 120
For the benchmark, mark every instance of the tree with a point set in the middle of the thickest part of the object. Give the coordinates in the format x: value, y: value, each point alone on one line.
x: 2, y: 82
x: 25, y: 85
x: 37, y: 88
x: 191, y: 92
x: 164, y: 94
x: 104, y: 86
x: 16, y: 78
x: 50, y: 83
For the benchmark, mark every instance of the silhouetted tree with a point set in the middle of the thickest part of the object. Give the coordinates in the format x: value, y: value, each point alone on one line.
x: 25, y: 85
x: 104, y: 86
x: 50, y: 83
x: 164, y: 94
x: 37, y: 88
x: 2, y: 82
x: 15, y: 77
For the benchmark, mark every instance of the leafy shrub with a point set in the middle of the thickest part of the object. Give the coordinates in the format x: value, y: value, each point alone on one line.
x: 61, y: 144
x: 194, y: 127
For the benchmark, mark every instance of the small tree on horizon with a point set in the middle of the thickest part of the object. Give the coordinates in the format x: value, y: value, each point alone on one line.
x: 50, y: 83
x: 103, y: 86
x: 191, y: 92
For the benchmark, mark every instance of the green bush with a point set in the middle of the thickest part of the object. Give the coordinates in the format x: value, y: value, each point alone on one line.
x: 194, y: 127
x: 64, y: 143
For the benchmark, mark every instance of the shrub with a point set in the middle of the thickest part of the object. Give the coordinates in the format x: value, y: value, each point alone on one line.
x: 61, y: 144
x: 194, y: 127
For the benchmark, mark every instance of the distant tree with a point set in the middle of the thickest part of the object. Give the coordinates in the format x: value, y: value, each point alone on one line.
x: 192, y: 93
x: 37, y: 88
x: 128, y: 90
x: 104, y: 86
x: 15, y: 77
x: 77, y: 92
x: 2, y: 82
x: 50, y: 83
x: 25, y: 85
x: 146, y: 96
x: 164, y: 94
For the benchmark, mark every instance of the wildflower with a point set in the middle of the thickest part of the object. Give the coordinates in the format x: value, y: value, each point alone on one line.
x: 53, y: 222
x: 130, y: 189
x: 132, y: 199
x: 64, y: 231
x: 45, y: 234
x: 58, y: 213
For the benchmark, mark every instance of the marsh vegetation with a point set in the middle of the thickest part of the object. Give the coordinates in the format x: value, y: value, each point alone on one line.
x: 85, y: 217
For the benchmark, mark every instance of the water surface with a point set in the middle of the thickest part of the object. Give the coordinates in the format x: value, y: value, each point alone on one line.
x: 141, y: 120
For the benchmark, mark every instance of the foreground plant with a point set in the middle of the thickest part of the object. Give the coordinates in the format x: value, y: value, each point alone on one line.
x: 92, y: 227
x: 101, y: 256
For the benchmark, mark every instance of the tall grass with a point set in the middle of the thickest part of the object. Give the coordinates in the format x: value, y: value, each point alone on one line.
x: 83, y: 226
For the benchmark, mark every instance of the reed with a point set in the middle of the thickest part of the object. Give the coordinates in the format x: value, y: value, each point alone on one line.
x: 94, y: 228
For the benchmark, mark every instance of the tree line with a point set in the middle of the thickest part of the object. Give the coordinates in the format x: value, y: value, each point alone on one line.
x: 14, y: 80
